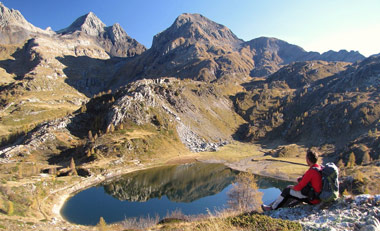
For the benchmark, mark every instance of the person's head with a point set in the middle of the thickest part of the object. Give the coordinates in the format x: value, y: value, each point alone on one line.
x: 311, y: 157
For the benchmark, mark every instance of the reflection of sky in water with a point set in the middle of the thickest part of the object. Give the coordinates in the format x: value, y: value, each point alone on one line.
x: 89, y: 205
x: 270, y: 194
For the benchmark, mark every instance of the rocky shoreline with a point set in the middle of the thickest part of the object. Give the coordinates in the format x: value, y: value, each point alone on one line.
x: 360, y: 212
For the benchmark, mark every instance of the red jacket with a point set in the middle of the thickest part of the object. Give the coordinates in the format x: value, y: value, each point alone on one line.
x: 314, y: 177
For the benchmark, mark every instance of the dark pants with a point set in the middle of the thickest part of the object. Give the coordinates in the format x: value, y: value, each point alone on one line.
x: 290, y: 197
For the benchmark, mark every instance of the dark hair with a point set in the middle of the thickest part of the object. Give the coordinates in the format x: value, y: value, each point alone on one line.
x: 312, y: 156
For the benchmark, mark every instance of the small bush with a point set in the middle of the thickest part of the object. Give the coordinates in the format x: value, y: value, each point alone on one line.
x: 102, y: 225
x: 245, y: 195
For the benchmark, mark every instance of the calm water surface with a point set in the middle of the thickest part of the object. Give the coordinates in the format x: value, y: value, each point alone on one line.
x: 191, y: 188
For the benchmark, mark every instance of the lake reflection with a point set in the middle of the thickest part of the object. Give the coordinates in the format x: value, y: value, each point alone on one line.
x: 191, y: 188
x: 180, y: 183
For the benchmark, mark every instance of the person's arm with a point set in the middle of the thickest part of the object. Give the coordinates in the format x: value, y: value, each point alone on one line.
x: 304, y: 181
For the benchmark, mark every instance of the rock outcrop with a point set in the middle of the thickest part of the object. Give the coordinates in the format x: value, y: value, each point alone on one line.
x: 35, y: 140
x: 178, y: 103
x: 348, y: 213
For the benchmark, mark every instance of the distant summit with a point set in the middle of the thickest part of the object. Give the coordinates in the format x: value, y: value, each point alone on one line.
x: 113, y: 39
x: 342, y: 55
x: 89, y: 24
x: 195, y: 28
x: 271, y: 53
x: 15, y: 29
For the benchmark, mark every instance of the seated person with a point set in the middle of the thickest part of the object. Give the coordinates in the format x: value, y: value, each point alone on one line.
x: 308, y: 188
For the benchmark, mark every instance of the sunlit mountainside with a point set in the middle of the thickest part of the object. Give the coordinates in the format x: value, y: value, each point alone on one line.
x: 92, y: 94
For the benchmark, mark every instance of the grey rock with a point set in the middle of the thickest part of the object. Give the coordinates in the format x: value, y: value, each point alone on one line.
x: 15, y: 29
x: 372, y: 224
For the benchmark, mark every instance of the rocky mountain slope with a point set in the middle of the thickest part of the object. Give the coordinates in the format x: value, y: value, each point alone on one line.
x: 78, y: 62
x: 46, y: 75
x: 193, y: 47
x: 197, y: 48
x: 316, y: 103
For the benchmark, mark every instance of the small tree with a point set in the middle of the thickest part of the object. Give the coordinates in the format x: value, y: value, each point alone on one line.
x: 88, y: 153
x: 340, y: 164
x: 10, y: 209
x: 90, y: 137
x: 102, y: 225
x: 83, y: 109
x: 351, y: 160
x: 72, y: 167
x: 359, y: 176
x: 346, y: 193
x: 366, y: 158
x: 244, y: 195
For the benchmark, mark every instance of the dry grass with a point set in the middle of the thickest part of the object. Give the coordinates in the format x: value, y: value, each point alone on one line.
x: 234, y: 152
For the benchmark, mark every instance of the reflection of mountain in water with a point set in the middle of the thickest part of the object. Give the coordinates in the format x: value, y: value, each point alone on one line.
x: 267, y: 182
x: 180, y: 183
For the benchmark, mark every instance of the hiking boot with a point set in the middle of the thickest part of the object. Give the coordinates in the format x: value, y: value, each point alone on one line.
x: 266, y: 207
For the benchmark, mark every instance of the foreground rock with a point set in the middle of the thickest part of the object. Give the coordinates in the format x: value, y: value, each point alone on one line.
x: 349, y: 213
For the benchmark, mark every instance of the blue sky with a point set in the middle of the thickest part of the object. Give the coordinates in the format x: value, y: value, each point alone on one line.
x: 314, y: 25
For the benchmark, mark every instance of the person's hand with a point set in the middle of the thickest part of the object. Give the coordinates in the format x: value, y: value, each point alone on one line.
x: 290, y: 186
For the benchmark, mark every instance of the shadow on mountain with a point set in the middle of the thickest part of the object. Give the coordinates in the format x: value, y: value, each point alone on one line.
x: 89, y: 75
x: 24, y: 60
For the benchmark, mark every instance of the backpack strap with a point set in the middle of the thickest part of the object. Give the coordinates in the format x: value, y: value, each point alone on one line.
x: 318, y: 170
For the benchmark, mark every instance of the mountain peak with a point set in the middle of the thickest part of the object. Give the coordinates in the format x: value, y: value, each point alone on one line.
x: 117, y: 33
x: 195, y: 28
x: 14, y: 28
x: 192, y: 18
x: 89, y: 24
x: 11, y: 16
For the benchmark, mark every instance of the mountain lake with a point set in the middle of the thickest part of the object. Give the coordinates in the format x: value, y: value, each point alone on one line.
x: 192, y: 189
